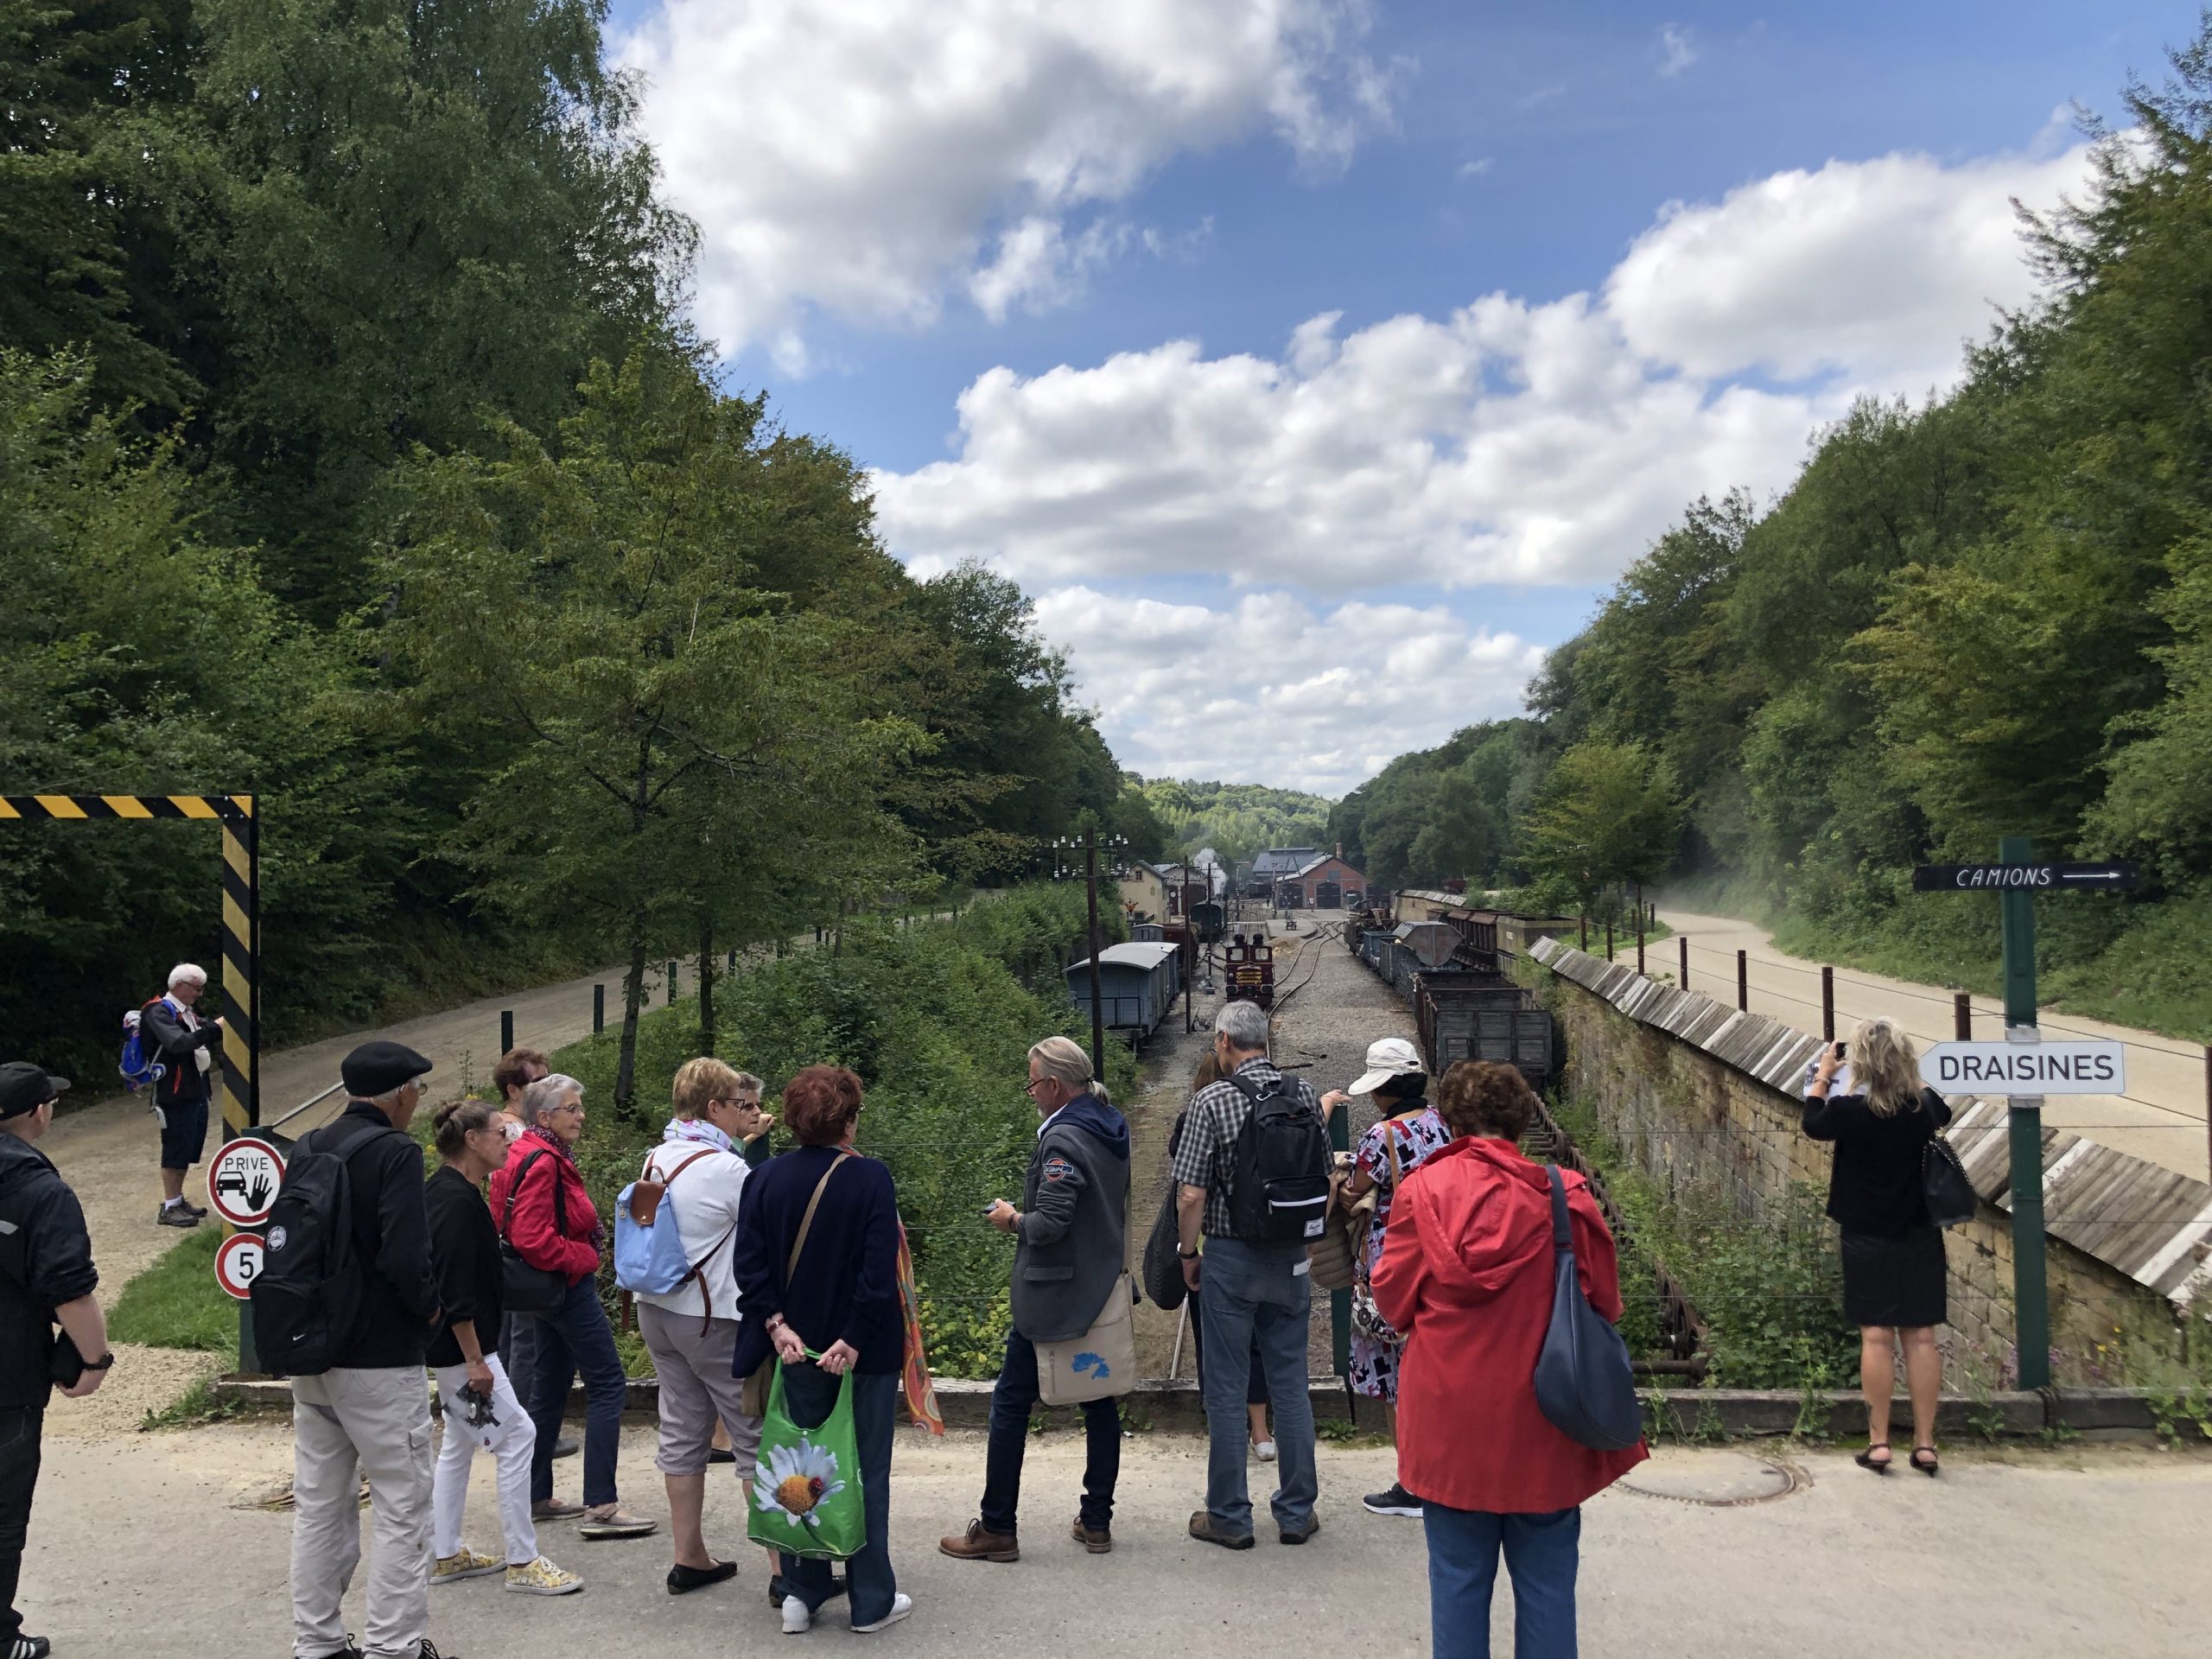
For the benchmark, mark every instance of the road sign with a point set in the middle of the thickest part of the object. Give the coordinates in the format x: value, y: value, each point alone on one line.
x: 2106, y: 875
x: 243, y: 1181
x: 238, y: 1263
x: 2094, y: 1068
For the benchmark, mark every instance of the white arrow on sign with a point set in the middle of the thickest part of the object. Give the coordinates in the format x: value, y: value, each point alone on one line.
x: 1998, y: 1068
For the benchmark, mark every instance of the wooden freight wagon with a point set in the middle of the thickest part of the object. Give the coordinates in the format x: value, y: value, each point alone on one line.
x: 1137, y: 985
x: 1475, y: 1017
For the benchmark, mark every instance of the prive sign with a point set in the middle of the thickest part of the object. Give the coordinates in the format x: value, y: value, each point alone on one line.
x: 2091, y: 1068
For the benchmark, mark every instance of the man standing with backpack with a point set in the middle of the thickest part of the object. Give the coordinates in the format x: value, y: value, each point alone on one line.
x: 346, y: 1306
x: 1252, y: 1176
x: 172, y: 1038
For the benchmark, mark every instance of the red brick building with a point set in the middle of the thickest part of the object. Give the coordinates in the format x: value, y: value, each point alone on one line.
x: 1326, y: 882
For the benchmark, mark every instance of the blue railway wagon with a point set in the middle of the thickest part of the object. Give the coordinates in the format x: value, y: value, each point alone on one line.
x: 1137, y: 984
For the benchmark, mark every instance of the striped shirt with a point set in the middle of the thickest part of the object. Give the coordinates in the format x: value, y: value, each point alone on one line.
x: 1205, y: 1155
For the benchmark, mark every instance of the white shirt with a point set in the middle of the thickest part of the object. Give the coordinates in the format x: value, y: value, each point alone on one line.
x: 705, y: 1195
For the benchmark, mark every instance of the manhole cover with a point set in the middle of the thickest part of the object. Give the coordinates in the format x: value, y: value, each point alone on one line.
x: 1716, y: 1476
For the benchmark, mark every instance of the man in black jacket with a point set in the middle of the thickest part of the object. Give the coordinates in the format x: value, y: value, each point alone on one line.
x: 45, y: 1279
x: 174, y: 1037
x: 1070, y: 1248
x: 370, y: 1410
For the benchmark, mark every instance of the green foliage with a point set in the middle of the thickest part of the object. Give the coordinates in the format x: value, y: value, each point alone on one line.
x: 937, y: 1020
x: 1238, y: 821
x: 1608, y: 816
x: 195, y: 1406
x: 176, y: 1302
x: 1448, y: 813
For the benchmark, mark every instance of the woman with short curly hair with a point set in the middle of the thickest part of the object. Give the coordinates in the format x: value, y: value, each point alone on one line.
x: 840, y: 1301
x: 1466, y: 1275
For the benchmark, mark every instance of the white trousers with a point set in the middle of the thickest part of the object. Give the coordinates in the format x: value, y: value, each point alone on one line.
x: 510, y: 1463
x: 346, y: 1424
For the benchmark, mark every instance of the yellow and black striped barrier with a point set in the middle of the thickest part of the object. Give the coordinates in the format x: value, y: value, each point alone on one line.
x: 241, y: 916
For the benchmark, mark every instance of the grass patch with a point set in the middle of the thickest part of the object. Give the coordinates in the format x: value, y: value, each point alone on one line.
x: 195, y: 1406
x: 176, y: 1302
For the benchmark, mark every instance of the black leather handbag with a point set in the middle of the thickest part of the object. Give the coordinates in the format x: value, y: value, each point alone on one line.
x: 523, y: 1288
x: 1944, y: 1188
x: 1586, y: 1386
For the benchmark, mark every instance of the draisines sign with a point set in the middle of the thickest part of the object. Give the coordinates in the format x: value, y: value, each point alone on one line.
x: 2026, y: 1068
x: 2108, y: 875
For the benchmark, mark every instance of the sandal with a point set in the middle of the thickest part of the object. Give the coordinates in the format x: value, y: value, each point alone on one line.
x: 1929, y: 1467
x: 1867, y: 1459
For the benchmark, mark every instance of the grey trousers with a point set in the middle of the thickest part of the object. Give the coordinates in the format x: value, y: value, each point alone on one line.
x: 346, y: 1424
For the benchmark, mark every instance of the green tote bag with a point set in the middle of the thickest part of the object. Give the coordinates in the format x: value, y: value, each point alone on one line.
x: 806, y: 1488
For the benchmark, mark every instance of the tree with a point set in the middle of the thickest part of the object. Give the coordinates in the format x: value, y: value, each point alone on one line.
x: 1609, y: 815
x: 687, y: 754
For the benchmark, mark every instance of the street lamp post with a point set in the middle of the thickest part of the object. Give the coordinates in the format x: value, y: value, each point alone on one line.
x: 1063, y: 850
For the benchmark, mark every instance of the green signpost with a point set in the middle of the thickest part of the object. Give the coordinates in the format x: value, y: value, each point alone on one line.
x: 2016, y: 878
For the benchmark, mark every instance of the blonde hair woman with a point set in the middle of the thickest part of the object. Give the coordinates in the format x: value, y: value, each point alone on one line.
x: 1893, y: 1268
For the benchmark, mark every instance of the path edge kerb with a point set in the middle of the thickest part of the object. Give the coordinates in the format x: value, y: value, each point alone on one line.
x: 1679, y: 1414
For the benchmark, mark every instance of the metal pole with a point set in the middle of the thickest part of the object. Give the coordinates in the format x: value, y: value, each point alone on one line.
x: 1685, y: 940
x: 2208, y: 1100
x: 2031, y: 1287
x: 1827, y: 1004
x: 1743, y: 982
x: 1340, y: 1301
x: 506, y: 1031
x: 1097, y: 992
x: 1962, y: 1017
x: 598, y: 1009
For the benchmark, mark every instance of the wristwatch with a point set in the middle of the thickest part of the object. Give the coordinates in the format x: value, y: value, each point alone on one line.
x: 1188, y: 1255
x: 102, y: 1363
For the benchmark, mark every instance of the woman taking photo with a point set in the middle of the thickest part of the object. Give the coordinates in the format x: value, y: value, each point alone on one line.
x: 1406, y: 1131
x: 465, y: 1255
x: 1893, y: 1267
x: 691, y: 1331
x: 833, y: 1292
x: 1466, y: 1275
x: 539, y: 1201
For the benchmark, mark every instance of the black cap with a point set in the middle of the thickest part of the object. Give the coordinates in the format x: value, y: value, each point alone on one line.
x: 25, y: 1087
x: 378, y: 1068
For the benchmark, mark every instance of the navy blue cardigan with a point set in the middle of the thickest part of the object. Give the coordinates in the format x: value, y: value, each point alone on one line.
x: 847, y: 1287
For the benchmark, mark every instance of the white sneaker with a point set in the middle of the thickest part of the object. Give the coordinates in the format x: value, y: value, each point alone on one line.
x: 797, y: 1620
x: 1265, y: 1451
x: 901, y: 1604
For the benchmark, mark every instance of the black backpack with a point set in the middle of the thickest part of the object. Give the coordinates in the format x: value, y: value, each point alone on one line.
x: 307, y: 1298
x: 1280, y: 1193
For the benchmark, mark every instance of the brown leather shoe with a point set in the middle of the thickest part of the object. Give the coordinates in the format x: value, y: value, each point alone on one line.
x: 1097, y: 1541
x: 977, y: 1545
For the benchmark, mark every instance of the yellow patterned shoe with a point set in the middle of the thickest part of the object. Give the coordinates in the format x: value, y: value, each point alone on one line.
x: 542, y: 1577
x: 465, y: 1563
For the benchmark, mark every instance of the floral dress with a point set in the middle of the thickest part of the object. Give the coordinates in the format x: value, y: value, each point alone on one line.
x: 1418, y: 1133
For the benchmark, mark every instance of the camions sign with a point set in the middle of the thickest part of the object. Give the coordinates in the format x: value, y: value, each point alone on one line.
x: 2110, y: 875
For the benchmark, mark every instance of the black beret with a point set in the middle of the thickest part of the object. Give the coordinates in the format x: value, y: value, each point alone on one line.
x: 378, y: 1068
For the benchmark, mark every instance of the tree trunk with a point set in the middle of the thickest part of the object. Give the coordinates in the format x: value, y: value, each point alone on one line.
x: 706, y: 985
x: 633, y: 996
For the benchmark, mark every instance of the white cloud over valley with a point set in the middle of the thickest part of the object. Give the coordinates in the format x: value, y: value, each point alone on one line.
x: 867, y: 159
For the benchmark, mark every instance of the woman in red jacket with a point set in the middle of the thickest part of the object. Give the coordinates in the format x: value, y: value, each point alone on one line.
x: 1466, y: 1274
x: 539, y: 1201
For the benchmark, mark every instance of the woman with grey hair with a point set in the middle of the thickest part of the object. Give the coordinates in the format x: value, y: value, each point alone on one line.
x: 1893, y: 1264
x: 542, y: 1208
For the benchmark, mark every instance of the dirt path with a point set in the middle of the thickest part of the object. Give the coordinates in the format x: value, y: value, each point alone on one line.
x: 2161, y: 1118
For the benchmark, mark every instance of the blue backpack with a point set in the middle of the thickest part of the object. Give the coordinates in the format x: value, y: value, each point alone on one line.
x: 649, y: 1257
x: 137, y: 1070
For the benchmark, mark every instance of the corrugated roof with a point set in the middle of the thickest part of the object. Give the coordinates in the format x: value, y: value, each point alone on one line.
x: 2150, y: 1223
x: 1138, y: 953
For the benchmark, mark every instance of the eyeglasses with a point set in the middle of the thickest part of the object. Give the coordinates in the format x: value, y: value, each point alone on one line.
x: 1035, y: 1084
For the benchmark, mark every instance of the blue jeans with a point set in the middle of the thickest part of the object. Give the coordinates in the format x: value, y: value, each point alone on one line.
x: 1257, y: 1292
x: 1541, y: 1554
x: 1011, y: 1401
x: 809, y: 1395
x: 574, y: 1337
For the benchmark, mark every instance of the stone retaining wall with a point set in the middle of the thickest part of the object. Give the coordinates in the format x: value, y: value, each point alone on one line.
x: 1696, y: 1121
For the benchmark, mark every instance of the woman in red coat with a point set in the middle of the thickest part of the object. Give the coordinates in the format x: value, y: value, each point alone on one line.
x: 1466, y: 1274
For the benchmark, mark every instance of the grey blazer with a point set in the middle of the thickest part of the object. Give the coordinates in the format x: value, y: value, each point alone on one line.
x: 1073, y: 1241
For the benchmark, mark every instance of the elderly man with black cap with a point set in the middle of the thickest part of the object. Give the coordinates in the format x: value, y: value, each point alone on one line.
x: 46, y: 1280
x: 369, y: 1413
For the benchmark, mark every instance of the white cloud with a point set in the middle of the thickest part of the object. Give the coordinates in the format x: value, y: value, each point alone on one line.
x: 865, y: 159
x: 1271, y: 687
x: 1477, y: 168
x: 1510, y: 441
x: 1676, y: 50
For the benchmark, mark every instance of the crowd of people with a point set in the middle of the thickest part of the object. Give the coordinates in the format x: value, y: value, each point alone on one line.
x: 798, y: 1283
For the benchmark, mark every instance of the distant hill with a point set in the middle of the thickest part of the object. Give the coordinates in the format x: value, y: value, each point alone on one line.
x: 1237, y: 820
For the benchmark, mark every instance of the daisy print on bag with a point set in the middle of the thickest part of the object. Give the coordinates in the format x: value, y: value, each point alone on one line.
x: 793, y: 1481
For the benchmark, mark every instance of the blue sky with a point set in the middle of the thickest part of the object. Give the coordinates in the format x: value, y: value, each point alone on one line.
x: 1286, y: 563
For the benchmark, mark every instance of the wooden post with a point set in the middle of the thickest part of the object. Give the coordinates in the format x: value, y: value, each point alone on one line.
x: 506, y: 1031
x: 598, y: 1009
x: 1962, y: 1017
x: 1828, y: 1003
x: 1684, y: 939
x: 1743, y: 982
x: 1609, y: 940
x: 1583, y: 922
